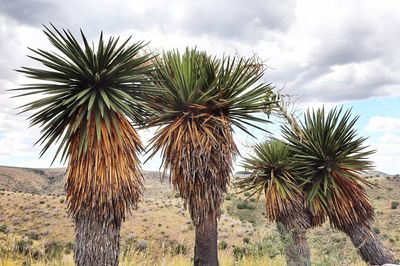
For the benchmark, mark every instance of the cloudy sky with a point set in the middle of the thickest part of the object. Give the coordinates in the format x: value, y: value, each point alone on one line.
x: 324, y: 52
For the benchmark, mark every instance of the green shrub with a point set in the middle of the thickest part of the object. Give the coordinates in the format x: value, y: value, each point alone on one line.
x: 23, y: 246
x: 3, y: 228
x: 251, y: 206
x: 270, y: 245
x: 180, y: 249
x: 53, y: 249
x: 141, y: 245
x: 177, y: 195
x: 222, y: 245
x: 69, y: 247
x: 240, y: 252
x: 394, y: 205
x: 376, y: 230
x: 33, y: 235
x: 247, y: 194
x: 245, y: 205
x: 241, y: 205
x: 36, y: 254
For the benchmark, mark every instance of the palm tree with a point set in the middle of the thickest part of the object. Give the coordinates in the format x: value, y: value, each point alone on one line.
x: 199, y: 101
x: 272, y: 171
x: 330, y: 157
x: 88, y: 97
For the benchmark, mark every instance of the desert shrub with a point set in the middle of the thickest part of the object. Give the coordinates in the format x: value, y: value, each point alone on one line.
x: 69, y: 247
x: 241, y: 205
x: 177, y: 195
x: 251, y: 206
x: 270, y: 246
x: 180, y: 249
x: 245, y: 205
x: 61, y: 200
x: 222, y: 245
x: 228, y: 197
x: 391, y: 240
x: 33, y: 235
x: 376, y: 230
x: 36, y: 254
x: 23, y: 246
x: 53, y: 249
x: 41, y: 202
x: 3, y: 228
x: 394, y: 204
x: 247, y: 194
x: 246, y: 240
x: 190, y: 226
x: 253, y: 200
x: 26, y: 263
x: 240, y: 252
x: 141, y: 245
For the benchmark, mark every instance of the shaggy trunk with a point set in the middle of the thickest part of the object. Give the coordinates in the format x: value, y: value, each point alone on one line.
x: 368, y: 245
x: 292, y: 225
x: 206, y: 248
x: 297, y: 252
x: 97, y: 241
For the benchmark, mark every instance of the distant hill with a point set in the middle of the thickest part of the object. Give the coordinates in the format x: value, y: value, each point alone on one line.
x: 376, y: 173
x: 50, y: 181
x: 41, y: 180
x: 371, y: 173
x: 32, y: 180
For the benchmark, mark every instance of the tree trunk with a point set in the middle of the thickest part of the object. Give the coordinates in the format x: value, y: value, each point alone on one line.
x: 97, y: 241
x: 368, y: 245
x: 297, y: 252
x: 206, y: 248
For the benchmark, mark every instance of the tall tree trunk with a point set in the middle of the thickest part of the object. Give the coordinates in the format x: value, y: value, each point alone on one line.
x: 206, y: 248
x: 368, y: 245
x: 297, y: 252
x: 97, y: 241
x: 292, y: 225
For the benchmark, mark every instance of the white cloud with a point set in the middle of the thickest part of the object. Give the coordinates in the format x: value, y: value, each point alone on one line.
x: 387, y: 156
x: 324, y: 51
x: 383, y: 124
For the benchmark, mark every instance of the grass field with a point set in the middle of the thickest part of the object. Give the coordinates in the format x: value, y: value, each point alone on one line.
x: 36, y: 230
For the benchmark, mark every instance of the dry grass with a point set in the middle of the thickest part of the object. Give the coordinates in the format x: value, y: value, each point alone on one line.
x: 161, y: 220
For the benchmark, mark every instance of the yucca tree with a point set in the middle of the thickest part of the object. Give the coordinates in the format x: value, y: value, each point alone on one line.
x: 330, y: 158
x: 271, y: 171
x: 201, y: 98
x: 89, y: 96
